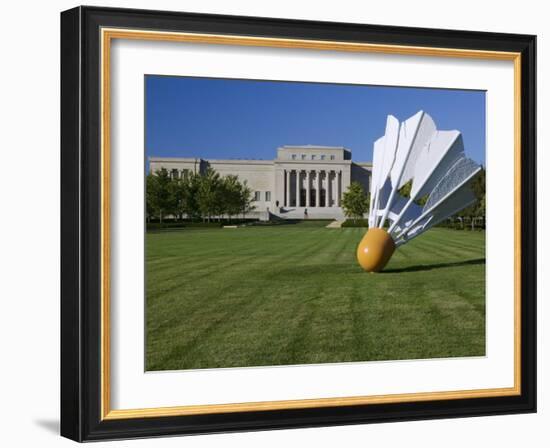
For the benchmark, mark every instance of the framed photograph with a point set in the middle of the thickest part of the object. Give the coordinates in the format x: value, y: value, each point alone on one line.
x: 274, y: 223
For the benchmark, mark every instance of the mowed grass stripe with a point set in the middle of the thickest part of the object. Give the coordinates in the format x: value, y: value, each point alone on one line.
x: 207, y: 301
x: 294, y: 294
x: 205, y: 259
x: 445, y: 247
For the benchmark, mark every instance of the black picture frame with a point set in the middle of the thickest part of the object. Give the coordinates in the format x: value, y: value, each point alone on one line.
x: 81, y: 224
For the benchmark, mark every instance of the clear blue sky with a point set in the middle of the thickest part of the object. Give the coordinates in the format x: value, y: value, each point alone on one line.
x: 224, y: 118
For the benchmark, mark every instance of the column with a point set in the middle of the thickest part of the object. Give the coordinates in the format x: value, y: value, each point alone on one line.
x: 317, y: 188
x: 338, y: 188
x: 323, y: 175
x: 287, y: 191
x: 330, y: 188
x: 308, y: 178
x: 297, y: 188
x: 323, y: 179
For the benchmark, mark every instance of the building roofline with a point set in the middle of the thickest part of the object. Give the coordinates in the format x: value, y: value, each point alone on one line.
x: 236, y: 161
x: 200, y: 159
x: 313, y: 162
x: 312, y: 147
x: 256, y: 161
x: 174, y: 159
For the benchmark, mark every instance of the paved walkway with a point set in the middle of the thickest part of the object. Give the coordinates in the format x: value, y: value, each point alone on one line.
x: 312, y: 213
x: 335, y: 224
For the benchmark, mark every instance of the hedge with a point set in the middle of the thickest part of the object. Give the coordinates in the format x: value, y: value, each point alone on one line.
x: 355, y: 223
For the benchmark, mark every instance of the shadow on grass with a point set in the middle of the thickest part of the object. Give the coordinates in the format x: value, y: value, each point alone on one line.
x: 352, y: 268
x: 429, y: 267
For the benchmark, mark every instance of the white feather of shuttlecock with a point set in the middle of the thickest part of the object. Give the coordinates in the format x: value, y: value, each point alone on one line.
x: 434, y: 161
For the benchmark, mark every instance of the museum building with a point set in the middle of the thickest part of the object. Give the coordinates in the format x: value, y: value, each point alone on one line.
x: 303, y: 181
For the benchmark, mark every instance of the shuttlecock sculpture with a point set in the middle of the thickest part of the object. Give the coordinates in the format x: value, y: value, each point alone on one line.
x: 439, y: 173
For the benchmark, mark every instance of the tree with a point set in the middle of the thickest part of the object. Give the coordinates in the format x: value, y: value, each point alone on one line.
x: 176, y: 190
x: 245, y: 199
x: 196, y: 195
x: 405, y: 191
x: 208, y: 194
x: 232, y: 190
x: 159, y: 194
x: 477, y: 209
x: 355, y: 202
x: 480, y: 211
x: 149, y: 209
x: 188, y: 193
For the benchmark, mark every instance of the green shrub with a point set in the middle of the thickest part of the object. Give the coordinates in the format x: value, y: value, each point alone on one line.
x: 355, y: 223
x: 155, y: 226
x: 170, y: 224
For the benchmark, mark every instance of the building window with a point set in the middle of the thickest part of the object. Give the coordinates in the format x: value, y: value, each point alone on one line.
x: 312, y: 156
x: 322, y: 157
x: 185, y: 174
x: 303, y: 157
x: 293, y: 156
x: 331, y: 157
x: 175, y: 174
x: 268, y: 196
x: 257, y: 196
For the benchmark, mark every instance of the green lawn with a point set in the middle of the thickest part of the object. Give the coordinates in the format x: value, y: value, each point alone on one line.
x: 294, y: 294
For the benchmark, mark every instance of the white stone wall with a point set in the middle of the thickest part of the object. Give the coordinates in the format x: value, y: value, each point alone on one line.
x: 361, y: 172
x: 259, y: 176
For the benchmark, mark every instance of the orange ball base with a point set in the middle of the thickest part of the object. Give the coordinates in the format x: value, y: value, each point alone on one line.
x: 375, y: 250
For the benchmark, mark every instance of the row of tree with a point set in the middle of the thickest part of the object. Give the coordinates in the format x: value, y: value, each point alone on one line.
x: 355, y: 201
x: 477, y: 209
x: 196, y: 196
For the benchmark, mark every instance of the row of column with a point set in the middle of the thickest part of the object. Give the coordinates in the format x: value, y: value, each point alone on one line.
x: 331, y: 199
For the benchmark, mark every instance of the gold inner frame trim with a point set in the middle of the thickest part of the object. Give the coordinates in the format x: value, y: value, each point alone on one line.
x: 107, y: 35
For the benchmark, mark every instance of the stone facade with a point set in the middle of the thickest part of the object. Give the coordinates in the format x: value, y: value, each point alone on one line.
x: 301, y: 178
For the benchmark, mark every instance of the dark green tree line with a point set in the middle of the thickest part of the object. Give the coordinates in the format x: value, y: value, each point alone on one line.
x: 196, y: 196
